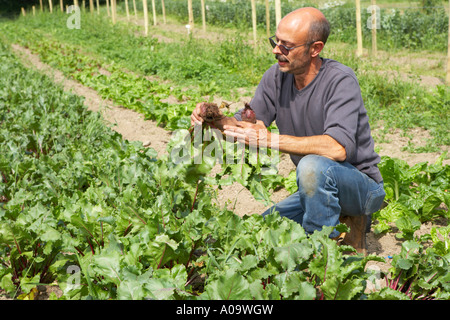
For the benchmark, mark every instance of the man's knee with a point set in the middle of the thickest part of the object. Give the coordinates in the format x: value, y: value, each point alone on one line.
x: 310, y: 173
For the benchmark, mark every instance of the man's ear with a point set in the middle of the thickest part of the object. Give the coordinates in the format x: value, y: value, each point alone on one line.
x: 316, y: 48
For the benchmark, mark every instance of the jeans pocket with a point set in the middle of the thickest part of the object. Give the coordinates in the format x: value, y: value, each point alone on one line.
x: 375, y: 199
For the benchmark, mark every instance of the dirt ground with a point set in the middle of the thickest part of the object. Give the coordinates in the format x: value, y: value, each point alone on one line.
x: 133, y: 127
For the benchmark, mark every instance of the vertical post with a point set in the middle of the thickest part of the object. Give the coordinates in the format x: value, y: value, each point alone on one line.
x: 203, y: 15
x: 40, y: 5
x: 267, y: 18
x: 34, y: 10
x: 113, y: 11
x: 127, y: 10
x: 374, y: 28
x: 448, y: 48
x: 23, y: 11
x: 359, y: 49
x: 98, y: 7
x: 50, y: 5
x: 83, y: 6
x: 135, y: 11
x: 254, y: 21
x: 107, y: 7
x: 154, y: 12
x: 91, y: 6
x: 163, y: 11
x: 61, y: 6
x: 145, y: 9
x: 277, y: 11
x: 190, y: 14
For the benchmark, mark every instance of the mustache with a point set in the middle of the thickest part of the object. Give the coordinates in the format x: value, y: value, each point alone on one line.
x: 281, y: 58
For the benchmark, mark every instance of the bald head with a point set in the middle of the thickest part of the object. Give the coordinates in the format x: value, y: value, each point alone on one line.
x: 309, y: 21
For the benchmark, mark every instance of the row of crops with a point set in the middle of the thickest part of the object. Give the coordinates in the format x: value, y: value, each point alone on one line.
x: 104, y: 218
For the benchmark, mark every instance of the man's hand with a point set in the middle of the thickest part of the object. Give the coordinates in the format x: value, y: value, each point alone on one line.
x: 257, y: 135
x: 251, y: 134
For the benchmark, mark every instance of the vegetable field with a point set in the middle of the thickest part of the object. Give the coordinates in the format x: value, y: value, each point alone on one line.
x: 89, y: 211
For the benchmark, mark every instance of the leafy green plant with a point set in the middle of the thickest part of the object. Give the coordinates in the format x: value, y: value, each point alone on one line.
x: 417, y: 274
x: 413, y: 195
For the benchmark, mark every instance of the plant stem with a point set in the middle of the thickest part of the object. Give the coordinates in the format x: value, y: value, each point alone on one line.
x: 194, y: 246
x: 142, y: 220
x: 90, y: 245
x: 195, y: 195
x: 162, y: 256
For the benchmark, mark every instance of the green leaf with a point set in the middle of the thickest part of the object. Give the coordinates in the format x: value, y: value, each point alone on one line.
x: 7, y: 284
x: 177, y: 275
x: 28, y: 283
x: 107, y: 264
x: 50, y: 234
x: 248, y: 262
x: 229, y: 286
x: 259, y: 192
x: 294, y: 285
x: 336, y: 289
x: 290, y: 183
x: 132, y: 286
x: 388, y: 294
x: 431, y: 203
x: 160, y: 289
x: 408, y: 224
x: 161, y: 250
x: 292, y: 255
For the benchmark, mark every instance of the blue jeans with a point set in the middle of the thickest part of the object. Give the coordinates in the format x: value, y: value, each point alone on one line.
x: 326, y: 190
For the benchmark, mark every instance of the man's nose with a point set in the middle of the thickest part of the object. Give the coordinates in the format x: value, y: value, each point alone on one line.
x: 276, y: 50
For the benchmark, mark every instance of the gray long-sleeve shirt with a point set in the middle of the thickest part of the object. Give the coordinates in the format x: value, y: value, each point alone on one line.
x: 331, y: 104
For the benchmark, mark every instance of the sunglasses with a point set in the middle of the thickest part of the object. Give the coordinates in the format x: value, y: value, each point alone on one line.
x: 285, y: 50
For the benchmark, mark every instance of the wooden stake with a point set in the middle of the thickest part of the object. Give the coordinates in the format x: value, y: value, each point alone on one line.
x: 61, y: 6
x: 98, y: 7
x: 34, y: 10
x: 448, y: 48
x: 91, y: 6
x: 163, y: 11
x: 23, y: 11
x: 254, y: 22
x: 113, y: 11
x: 190, y: 14
x: 144, y: 7
x: 277, y: 11
x: 154, y: 12
x: 50, y: 5
x: 374, y: 28
x: 127, y: 10
x: 135, y: 11
x: 40, y: 4
x: 107, y: 7
x: 202, y: 2
x: 267, y: 18
x: 359, y: 50
x: 83, y: 5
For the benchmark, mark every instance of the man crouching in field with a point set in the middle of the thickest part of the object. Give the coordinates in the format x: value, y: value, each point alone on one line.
x: 324, y: 127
